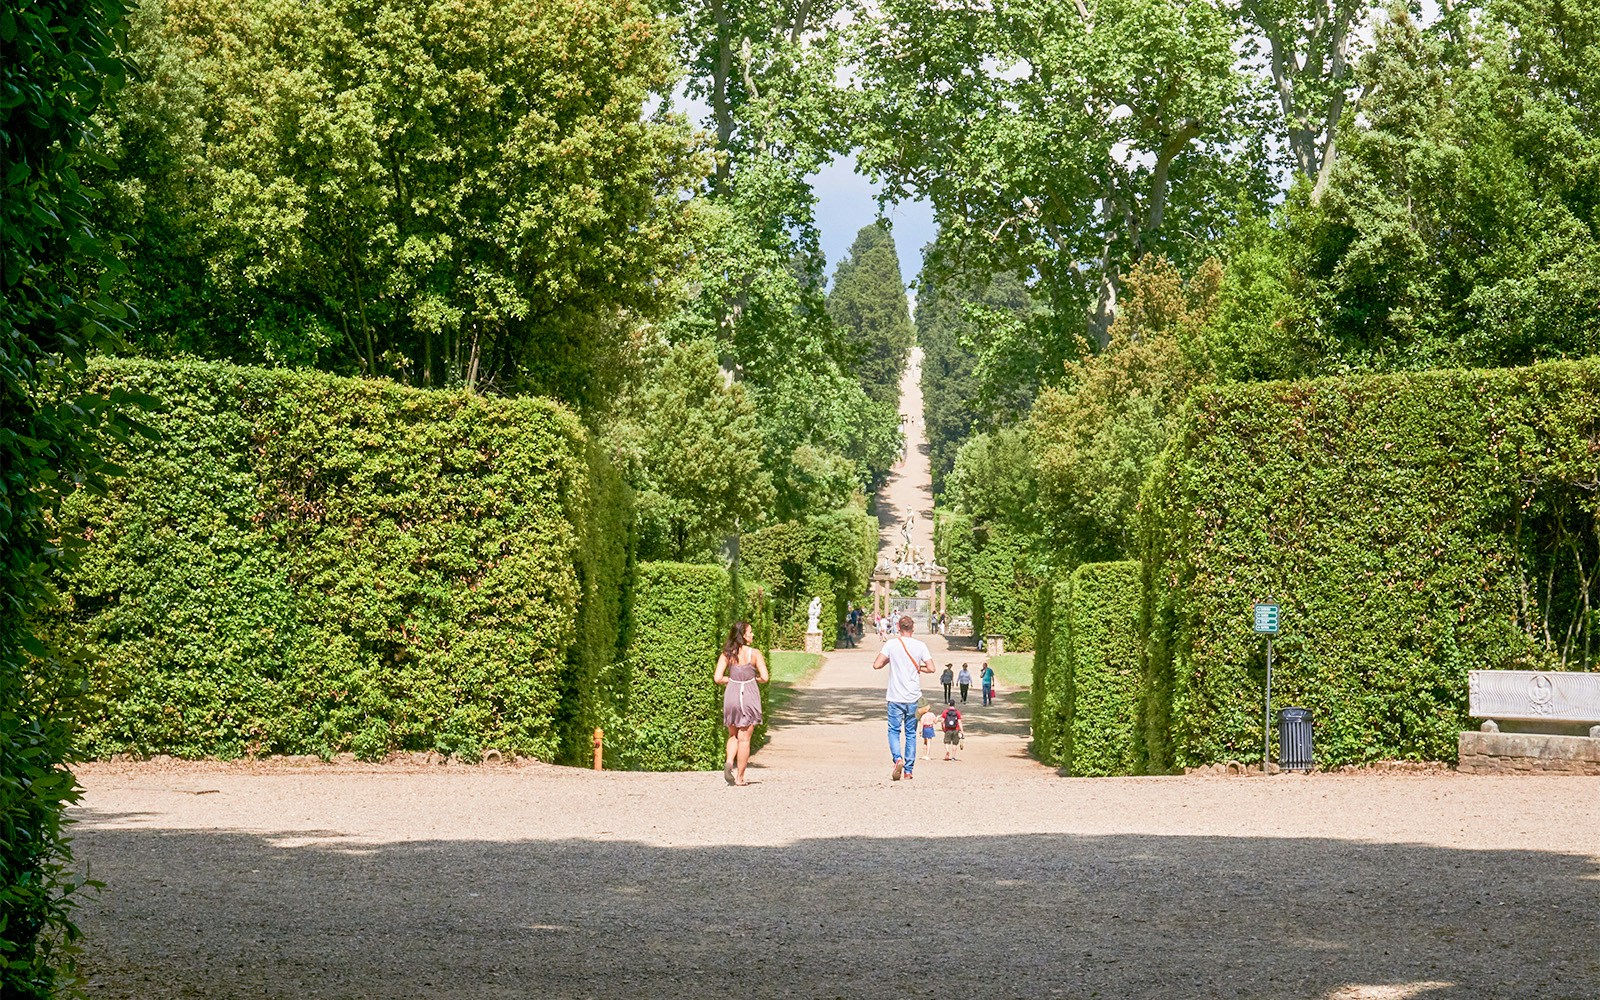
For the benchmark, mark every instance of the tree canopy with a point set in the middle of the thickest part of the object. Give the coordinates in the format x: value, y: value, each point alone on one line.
x: 868, y: 302
x: 441, y: 191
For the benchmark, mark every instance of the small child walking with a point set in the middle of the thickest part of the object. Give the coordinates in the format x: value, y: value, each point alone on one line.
x: 953, y: 733
x: 927, y: 723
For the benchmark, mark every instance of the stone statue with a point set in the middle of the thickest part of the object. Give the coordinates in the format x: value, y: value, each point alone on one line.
x: 814, y: 611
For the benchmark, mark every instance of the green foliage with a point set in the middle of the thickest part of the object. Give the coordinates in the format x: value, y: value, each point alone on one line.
x: 452, y: 192
x: 829, y: 556
x: 907, y: 587
x: 594, y: 678
x: 1099, y: 734
x: 671, y: 719
x: 755, y: 277
x: 759, y: 298
x: 1412, y: 526
x: 965, y: 388
x: 309, y: 564
x: 1005, y: 583
x: 1095, y: 439
x: 58, y: 62
x: 1052, y: 651
x: 1458, y: 226
x: 990, y: 542
x: 1309, y: 50
x: 690, y: 440
x: 1062, y: 140
x: 995, y: 479
x: 868, y: 301
x: 996, y: 568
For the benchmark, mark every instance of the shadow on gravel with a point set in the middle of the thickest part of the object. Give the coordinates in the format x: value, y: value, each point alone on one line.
x: 816, y: 706
x: 192, y: 914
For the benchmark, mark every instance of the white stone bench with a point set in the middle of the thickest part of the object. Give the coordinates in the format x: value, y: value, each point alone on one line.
x: 1534, y: 696
x: 1532, y: 700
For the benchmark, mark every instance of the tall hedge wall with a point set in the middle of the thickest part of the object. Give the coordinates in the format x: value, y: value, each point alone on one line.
x: 310, y: 564
x: 1412, y: 527
x: 1099, y: 734
x: 1051, y: 656
x: 829, y: 556
x: 678, y: 616
x: 1086, y: 670
x: 993, y: 566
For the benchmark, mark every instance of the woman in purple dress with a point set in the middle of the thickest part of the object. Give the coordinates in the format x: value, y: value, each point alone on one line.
x: 740, y: 668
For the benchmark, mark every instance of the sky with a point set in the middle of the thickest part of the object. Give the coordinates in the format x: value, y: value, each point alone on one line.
x: 845, y: 203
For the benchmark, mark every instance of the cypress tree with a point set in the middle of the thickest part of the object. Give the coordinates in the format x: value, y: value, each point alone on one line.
x: 868, y: 302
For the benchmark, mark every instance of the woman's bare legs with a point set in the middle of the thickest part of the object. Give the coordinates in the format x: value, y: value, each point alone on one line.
x: 733, y: 755
x: 743, y: 741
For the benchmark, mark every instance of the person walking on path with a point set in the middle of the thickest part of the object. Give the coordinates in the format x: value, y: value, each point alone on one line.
x: 907, y: 659
x: 948, y: 678
x: 953, y: 733
x: 927, y: 722
x: 988, y: 684
x: 965, y: 677
x: 740, y: 669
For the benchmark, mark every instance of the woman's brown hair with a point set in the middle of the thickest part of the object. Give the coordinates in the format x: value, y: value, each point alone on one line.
x: 730, y: 649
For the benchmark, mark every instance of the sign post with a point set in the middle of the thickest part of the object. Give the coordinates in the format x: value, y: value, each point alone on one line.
x: 1266, y: 623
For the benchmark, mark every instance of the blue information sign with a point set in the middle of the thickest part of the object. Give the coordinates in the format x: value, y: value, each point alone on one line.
x: 1267, y: 618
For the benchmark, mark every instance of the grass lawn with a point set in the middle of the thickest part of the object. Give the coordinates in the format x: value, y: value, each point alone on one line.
x: 1012, y: 670
x: 789, y: 670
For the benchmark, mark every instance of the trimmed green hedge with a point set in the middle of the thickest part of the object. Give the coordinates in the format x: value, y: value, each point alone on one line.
x: 1412, y: 527
x: 1086, y: 670
x: 312, y: 564
x: 1098, y: 730
x: 672, y: 718
x: 829, y: 556
x: 1051, y: 655
x: 992, y: 566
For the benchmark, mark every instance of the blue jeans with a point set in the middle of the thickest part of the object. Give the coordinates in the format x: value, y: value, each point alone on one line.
x: 903, y: 722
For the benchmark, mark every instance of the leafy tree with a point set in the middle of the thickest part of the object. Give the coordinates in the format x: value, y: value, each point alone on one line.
x: 965, y: 328
x: 446, y: 191
x: 58, y: 62
x: 755, y: 282
x: 1063, y: 140
x: 1097, y: 436
x: 1309, y: 45
x: 1459, y: 225
x: 766, y: 71
x: 822, y: 440
x: 868, y: 301
x: 994, y: 479
x: 692, y: 447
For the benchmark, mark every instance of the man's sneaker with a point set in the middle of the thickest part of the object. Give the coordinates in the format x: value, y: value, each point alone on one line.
x: 899, y: 769
x: 908, y: 775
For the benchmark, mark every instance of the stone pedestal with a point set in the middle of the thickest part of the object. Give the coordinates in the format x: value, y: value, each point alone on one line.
x: 813, y: 642
x: 1522, y: 753
x: 994, y: 645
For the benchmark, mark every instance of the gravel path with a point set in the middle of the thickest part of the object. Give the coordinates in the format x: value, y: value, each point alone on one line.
x: 909, y: 488
x: 986, y: 877
x: 989, y: 878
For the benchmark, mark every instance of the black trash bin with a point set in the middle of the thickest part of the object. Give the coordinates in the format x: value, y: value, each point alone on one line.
x: 1294, y: 739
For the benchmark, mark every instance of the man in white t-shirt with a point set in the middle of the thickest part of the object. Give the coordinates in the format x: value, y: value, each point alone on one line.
x: 907, y: 659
